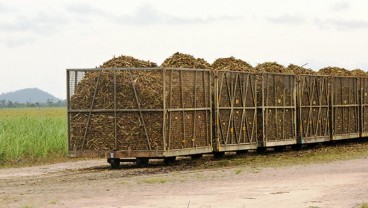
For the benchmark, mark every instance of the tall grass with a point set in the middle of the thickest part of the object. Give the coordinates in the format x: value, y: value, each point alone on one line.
x: 28, y: 135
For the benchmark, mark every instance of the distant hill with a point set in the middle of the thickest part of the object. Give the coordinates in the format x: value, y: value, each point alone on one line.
x: 31, y: 95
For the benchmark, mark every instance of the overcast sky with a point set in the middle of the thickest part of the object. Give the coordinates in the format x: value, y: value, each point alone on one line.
x: 40, y: 39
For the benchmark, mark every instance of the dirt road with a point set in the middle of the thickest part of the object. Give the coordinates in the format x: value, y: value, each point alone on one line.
x: 92, y: 184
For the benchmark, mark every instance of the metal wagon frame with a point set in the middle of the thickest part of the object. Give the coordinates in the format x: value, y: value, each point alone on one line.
x: 202, y: 80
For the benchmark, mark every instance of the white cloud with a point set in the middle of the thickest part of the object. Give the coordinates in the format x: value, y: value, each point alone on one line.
x: 341, y: 24
x: 42, y: 23
x: 18, y: 42
x: 84, y: 9
x: 5, y: 9
x: 145, y: 14
x: 340, y: 6
x: 288, y: 19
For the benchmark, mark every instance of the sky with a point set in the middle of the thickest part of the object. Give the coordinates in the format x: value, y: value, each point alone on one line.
x: 40, y: 39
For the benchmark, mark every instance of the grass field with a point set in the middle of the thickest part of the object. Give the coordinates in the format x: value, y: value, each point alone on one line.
x: 28, y: 135
x: 31, y: 136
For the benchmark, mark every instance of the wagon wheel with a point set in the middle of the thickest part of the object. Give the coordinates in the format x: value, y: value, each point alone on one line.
x: 313, y: 145
x: 114, y: 162
x: 169, y: 160
x: 241, y: 152
x: 142, y: 161
x: 218, y: 155
x: 196, y: 157
x: 297, y: 147
x: 279, y: 148
x: 261, y: 149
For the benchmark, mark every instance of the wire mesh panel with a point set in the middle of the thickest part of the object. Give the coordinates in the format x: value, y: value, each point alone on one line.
x: 313, y: 108
x: 277, y: 117
x: 364, y: 106
x: 345, y: 107
x: 130, y: 110
x: 236, y: 117
x: 189, y: 109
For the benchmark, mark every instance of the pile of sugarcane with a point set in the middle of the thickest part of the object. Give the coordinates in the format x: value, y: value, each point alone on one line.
x: 232, y: 64
x: 272, y: 67
x: 135, y: 90
x: 180, y: 60
x: 96, y: 131
x: 336, y: 71
x: 295, y: 69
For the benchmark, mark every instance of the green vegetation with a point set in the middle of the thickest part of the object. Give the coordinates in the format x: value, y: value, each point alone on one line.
x: 237, y: 171
x: 28, y: 135
x: 364, y: 205
x: 154, y: 180
x: 27, y: 206
x: 54, y: 202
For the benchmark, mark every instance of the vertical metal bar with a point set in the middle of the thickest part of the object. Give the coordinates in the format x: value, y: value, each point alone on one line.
x: 361, y: 106
x: 209, y: 78
x: 255, y: 121
x: 206, y: 105
x: 264, y: 117
x: 234, y: 138
x: 300, y: 95
x: 170, y: 113
x: 294, y: 105
x: 164, y: 117
x: 328, y: 102
x: 283, y: 112
x: 68, y: 105
x: 115, y: 119
x: 343, y: 107
x: 275, y: 103
x: 216, y: 98
x: 332, y: 108
x: 350, y: 80
x: 194, y: 106
x: 356, y: 96
x: 182, y: 105
x: 75, y: 81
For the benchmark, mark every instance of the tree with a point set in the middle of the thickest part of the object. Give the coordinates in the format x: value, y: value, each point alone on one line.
x: 2, y: 103
x: 50, y: 102
x: 10, y: 104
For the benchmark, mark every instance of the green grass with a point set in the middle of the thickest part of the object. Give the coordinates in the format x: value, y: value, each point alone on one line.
x: 237, y: 171
x: 154, y: 180
x: 29, y: 135
x: 27, y: 206
x: 364, y: 205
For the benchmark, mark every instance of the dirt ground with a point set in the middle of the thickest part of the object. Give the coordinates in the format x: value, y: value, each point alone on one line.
x: 92, y: 183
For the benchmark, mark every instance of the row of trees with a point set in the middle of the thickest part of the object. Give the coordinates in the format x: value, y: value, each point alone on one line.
x: 49, y: 103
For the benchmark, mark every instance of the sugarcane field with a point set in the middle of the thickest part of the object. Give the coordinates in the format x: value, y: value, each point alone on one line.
x: 187, y: 104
